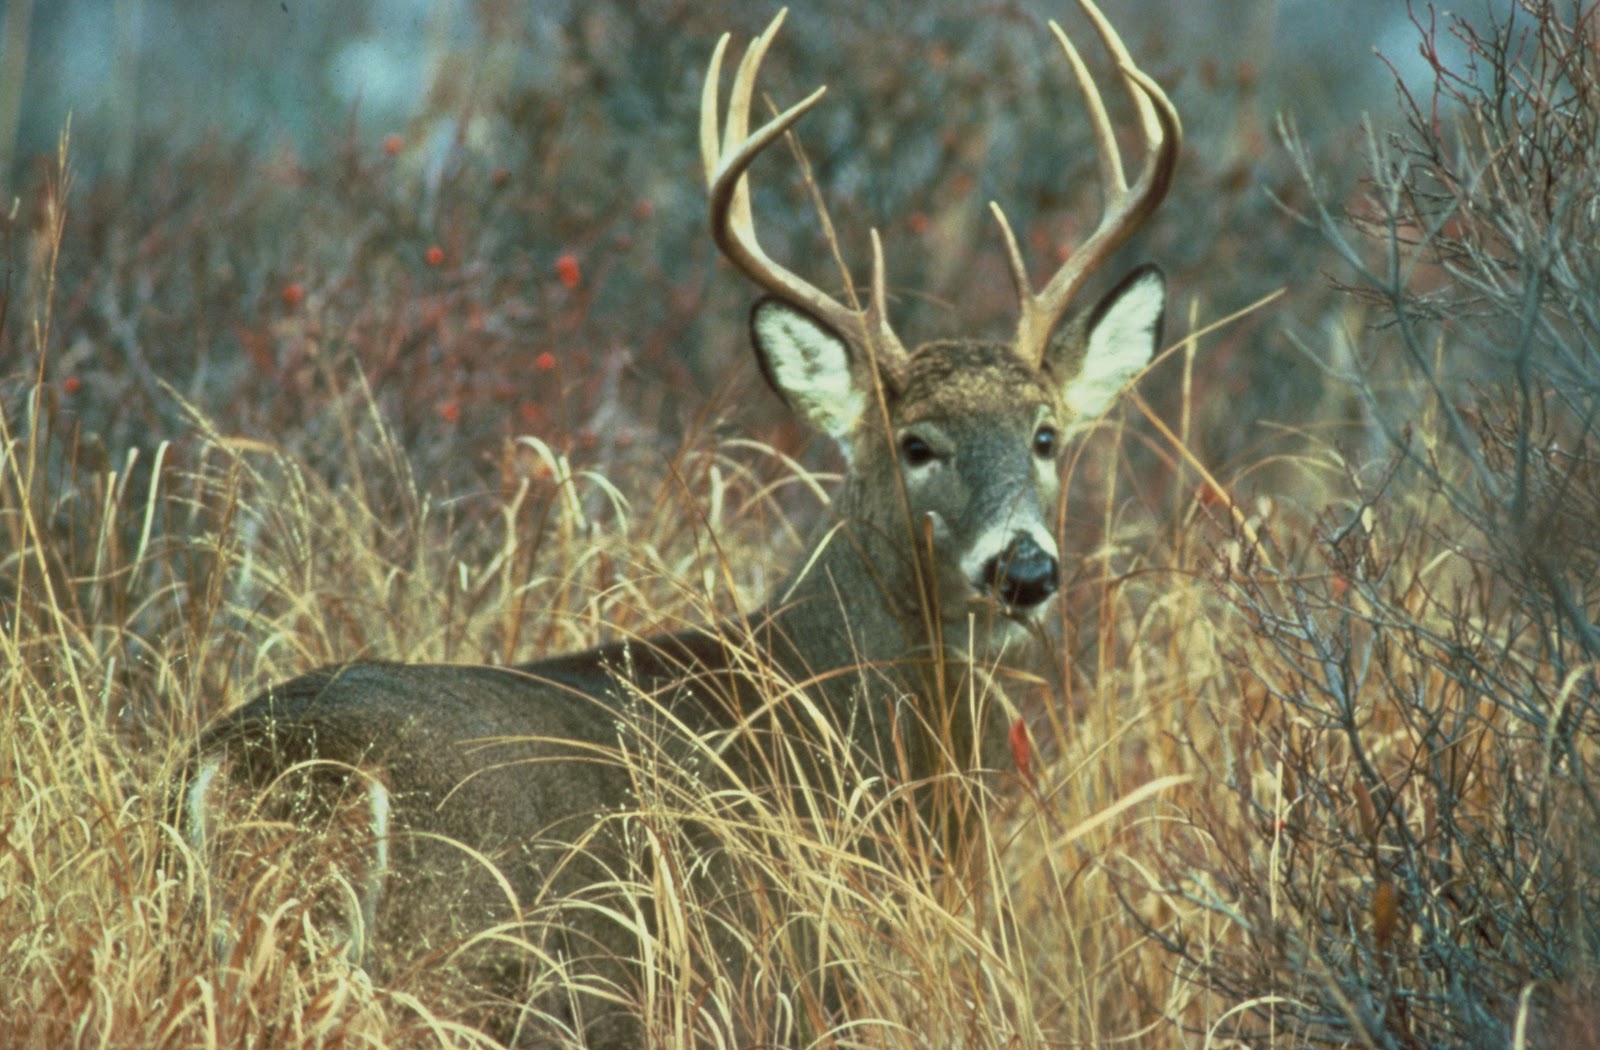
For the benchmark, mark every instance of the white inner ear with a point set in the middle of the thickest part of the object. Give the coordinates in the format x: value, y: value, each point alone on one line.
x: 811, y: 366
x: 1119, y: 346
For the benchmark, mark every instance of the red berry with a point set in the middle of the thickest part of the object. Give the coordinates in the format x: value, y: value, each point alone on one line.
x: 567, y: 270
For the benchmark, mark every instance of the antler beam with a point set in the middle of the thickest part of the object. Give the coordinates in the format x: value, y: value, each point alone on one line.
x: 1126, y: 208
x: 727, y: 154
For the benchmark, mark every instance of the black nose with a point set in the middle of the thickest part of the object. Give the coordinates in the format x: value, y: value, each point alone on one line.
x: 1022, y: 575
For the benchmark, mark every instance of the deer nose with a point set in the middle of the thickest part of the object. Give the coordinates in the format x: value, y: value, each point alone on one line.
x: 1022, y: 575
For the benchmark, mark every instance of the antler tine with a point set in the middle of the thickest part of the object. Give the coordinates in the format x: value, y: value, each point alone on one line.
x: 1125, y: 208
x: 727, y: 163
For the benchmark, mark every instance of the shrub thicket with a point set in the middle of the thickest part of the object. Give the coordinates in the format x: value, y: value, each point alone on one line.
x: 1406, y: 844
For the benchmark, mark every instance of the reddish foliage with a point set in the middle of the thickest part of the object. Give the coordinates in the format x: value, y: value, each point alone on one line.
x: 1022, y: 749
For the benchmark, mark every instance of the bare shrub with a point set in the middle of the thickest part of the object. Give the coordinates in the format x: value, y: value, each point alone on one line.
x: 1405, y: 851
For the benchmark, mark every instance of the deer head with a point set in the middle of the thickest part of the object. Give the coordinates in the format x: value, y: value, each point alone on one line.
x: 975, y: 428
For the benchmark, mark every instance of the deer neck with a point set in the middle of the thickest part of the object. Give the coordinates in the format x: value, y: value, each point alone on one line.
x: 853, y: 620
x: 850, y: 626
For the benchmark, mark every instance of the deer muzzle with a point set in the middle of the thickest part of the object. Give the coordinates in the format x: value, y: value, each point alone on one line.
x: 1023, y: 575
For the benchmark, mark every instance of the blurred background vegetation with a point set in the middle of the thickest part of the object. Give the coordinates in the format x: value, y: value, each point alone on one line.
x: 258, y: 187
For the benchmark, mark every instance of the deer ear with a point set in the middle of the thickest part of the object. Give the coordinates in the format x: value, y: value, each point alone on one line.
x: 809, y: 366
x: 1095, y: 357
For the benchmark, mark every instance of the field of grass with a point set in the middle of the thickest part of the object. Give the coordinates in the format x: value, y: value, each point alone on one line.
x: 1311, y: 761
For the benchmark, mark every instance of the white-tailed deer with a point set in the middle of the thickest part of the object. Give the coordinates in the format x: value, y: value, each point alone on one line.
x: 939, y: 556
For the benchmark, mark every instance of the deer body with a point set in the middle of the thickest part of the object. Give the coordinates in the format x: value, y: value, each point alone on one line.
x: 940, y: 554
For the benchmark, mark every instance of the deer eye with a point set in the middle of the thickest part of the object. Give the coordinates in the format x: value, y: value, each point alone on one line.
x: 915, y: 451
x: 1044, y: 442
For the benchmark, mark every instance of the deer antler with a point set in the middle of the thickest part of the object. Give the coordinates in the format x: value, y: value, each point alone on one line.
x: 1125, y: 208
x: 733, y: 226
